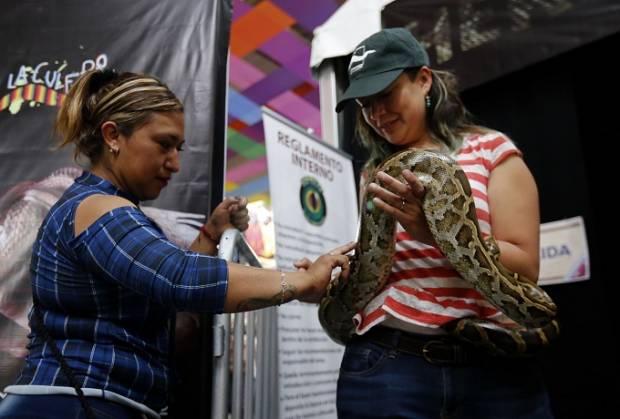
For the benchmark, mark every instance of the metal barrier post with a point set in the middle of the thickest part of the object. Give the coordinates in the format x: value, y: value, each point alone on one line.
x: 247, y: 374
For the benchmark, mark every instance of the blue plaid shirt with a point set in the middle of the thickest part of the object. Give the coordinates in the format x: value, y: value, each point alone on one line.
x: 108, y: 294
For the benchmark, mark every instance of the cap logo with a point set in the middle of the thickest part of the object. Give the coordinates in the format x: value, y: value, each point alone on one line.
x: 357, y: 60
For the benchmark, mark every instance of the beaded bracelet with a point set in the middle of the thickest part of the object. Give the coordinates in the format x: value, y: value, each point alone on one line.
x: 283, y: 286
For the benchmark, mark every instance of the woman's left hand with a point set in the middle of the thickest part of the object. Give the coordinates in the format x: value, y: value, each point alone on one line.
x: 322, y: 272
x: 230, y: 213
x: 239, y: 216
x: 404, y: 202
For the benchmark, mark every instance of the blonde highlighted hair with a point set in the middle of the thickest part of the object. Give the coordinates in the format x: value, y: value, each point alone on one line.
x: 128, y: 99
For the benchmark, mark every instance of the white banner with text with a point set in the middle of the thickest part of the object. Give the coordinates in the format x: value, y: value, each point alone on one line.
x: 564, y: 253
x: 314, y: 206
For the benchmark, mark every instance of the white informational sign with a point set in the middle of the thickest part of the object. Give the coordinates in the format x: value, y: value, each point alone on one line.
x: 314, y: 206
x: 563, y: 252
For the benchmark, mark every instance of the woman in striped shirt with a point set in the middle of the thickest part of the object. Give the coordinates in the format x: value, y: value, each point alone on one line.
x: 105, y: 278
x: 401, y: 363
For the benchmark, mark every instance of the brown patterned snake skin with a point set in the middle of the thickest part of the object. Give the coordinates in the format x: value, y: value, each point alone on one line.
x: 451, y: 216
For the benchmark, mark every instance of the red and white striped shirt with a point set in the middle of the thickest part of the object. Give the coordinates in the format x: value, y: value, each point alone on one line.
x: 424, y: 292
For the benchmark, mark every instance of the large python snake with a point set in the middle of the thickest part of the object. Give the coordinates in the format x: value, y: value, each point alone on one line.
x: 449, y: 208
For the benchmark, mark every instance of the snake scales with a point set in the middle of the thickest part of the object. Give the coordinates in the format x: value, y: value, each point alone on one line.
x: 451, y: 215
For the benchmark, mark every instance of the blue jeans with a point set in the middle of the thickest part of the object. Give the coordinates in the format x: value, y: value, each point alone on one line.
x: 60, y: 406
x: 378, y: 382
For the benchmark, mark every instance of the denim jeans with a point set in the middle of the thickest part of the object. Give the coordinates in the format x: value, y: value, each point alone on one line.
x: 59, y: 406
x: 377, y: 382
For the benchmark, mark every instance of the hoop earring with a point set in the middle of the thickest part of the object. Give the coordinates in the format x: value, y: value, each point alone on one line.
x: 427, y: 100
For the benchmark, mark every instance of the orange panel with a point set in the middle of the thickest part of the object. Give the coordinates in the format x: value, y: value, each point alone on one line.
x: 237, y: 125
x: 303, y: 89
x: 257, y: 26
x: 230, y: 186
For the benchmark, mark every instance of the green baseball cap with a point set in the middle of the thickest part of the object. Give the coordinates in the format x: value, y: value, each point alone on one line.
x: 379, y: 59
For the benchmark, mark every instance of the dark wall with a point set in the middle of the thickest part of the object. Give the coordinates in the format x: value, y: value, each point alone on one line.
x: 563, y: 114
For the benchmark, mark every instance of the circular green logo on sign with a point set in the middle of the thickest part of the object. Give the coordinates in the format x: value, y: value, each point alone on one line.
x: 312, y: 200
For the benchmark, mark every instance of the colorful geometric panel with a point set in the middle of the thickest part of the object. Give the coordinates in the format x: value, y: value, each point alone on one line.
x: 260, y: 185
x: 243, y: 108
x: 313, y: 97
x: 257, y: 26
x: 292, y: 51
x: 247, y: 171
x: 244, y: 146
x: 255, y: 132
x: 237, y: 125
x: 269, y: 66
x: 230, y: 153
x: 271, y: 86
x: 242, y: 74
x: 304, y: 88
x: 230, y: 186
x: 309, y: 14
x: 299, y: 110
x: 240, y: 8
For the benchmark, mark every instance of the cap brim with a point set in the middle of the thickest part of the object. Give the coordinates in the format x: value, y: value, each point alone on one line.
x: 368, y: 86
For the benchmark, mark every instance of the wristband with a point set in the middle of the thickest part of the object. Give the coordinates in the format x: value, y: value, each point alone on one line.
x: 206, y: 232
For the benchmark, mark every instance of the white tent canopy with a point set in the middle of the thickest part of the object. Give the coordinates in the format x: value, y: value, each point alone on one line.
x: 354, y: 21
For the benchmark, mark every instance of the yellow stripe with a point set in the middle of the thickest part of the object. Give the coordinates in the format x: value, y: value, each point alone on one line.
x: 40, y: 94
x: 17, y: 93
x: 53, y: 97
x: 4, y: 103
x: 230, y: 186
x: 260, y: 197
x: 28, y: 91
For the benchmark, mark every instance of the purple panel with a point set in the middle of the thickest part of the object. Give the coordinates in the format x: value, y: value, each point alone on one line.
x: 291, y: 51
x: 301, y: 67
x: 314, y: 98
x: 309, y: 14
x: 298, y: 110
x: 243, y: 74
x: 275, y: 83
x: 239, y: 9
x: 285, y: 47
x: 255, y: 132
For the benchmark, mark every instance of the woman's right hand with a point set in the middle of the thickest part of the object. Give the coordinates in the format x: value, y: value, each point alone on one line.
x: 319, y: 273
x: 230, y: 213
x: 403, y: 201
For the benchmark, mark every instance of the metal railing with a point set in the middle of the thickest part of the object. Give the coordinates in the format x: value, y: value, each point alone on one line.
x: 247, y: 389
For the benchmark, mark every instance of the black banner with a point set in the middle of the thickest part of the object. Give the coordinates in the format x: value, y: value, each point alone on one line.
x: 45, y: 46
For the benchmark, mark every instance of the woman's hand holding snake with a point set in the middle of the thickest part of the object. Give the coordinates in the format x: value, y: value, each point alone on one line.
x: 403, y: 202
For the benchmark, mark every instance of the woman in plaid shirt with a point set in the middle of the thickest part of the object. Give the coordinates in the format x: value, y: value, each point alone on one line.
x: 105, y: 278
